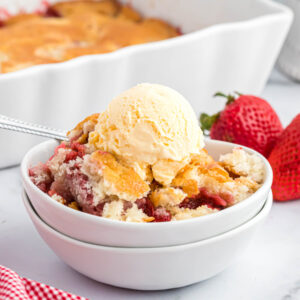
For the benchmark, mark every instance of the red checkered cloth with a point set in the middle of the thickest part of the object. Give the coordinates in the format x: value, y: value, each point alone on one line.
x: 14, y: 287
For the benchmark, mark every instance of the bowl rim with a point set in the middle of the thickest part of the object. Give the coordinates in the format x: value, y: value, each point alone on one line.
x: 276, y: 10
x: 223, y: 236
x: 100, y: 220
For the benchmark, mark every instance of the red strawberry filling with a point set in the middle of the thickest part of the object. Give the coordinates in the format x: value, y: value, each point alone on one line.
x: 75, y: 185
x: 206, y: 198
x: 77, y: 150
x: 160, y: 214
x: 41, y: 177
x: 146, y: 206
x: 79, y: 187
x: 51, y: 13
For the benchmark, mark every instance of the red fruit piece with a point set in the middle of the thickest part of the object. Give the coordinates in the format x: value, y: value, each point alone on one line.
x: 79, y: 148
x: 76, y: 150
x: 191, y: 203
x: 285, y: 162
x: 206, y: 198
x: 80, y: 189
x: 41, y: 176
x: 162, y: 215
x: 61, y: 146
x: 96, y: 210
x: 61, y: 188
x: 212, y: 199
x: 246, y: 120
x: 146, y: 206
x: 51, y: 13
x: 71, y: 156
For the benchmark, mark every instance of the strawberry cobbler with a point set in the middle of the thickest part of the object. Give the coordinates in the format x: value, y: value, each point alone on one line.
x: 104, y: 170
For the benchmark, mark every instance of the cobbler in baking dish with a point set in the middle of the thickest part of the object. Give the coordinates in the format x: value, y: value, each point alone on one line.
x: 131, y: 163
x: 75, y: 28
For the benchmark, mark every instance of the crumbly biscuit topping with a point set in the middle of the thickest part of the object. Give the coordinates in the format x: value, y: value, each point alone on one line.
x: 103, y: 184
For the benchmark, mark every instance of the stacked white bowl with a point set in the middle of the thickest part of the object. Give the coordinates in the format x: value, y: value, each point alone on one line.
x: 150, y: 256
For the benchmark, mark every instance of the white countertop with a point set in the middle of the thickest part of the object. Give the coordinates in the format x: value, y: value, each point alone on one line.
x: 269, y: 269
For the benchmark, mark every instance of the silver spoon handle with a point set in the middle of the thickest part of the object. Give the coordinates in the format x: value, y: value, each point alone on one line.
x: 30, y: 128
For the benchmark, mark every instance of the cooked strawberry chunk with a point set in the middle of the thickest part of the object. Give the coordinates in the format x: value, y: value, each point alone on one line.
x: 72, y: 155
x: 51, y: 13
x: 162, y: 215
x: 206, y: 198
x: 80, y: 149
x: 80, y: 188
x: 41, y: 176
x: 94, y: 210
x: 146, y: 206
x: 212, y: 199
x: 61, y: 188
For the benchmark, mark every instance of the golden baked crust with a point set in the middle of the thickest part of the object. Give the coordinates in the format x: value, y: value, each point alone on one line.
x: 167, y: 196
x: 20, y: 18
x: 81, y: 132
x: 79, y: 28
x: 187, y: 177
x: 106, y: 7
x: 123, y: 179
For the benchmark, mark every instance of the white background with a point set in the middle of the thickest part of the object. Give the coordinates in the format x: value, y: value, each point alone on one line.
x: 269, y: 269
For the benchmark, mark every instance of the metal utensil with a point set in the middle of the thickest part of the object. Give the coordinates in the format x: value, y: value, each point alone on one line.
x: 31, y: 128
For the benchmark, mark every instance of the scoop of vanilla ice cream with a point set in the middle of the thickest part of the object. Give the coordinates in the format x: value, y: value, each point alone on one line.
x: 150, y: 124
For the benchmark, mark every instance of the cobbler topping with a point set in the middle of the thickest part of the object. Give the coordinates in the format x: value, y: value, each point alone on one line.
x: 167, y: 196
x: 134, y: 214
x: 118, y: 179
x: 102, y: 184
x: 239, y: 163
x: 74, y: 28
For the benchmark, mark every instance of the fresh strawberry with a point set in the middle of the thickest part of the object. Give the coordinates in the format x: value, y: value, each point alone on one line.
x: 246, y: 120
x: 285, y: 162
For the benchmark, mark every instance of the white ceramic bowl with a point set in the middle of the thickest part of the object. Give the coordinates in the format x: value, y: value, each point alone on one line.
x: 228, y: 45
x: 151, y: 268
x: 102, y: 231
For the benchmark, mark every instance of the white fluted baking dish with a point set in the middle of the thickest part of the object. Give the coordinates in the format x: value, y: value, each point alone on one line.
x: 227, y: 45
